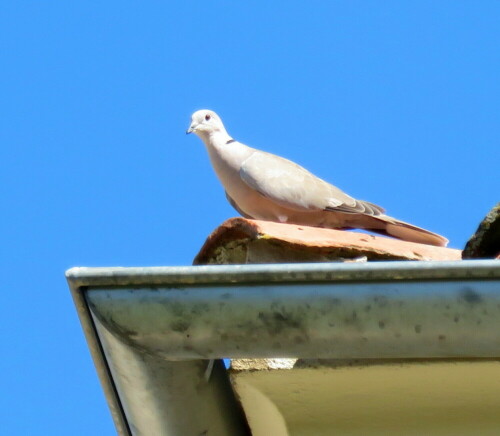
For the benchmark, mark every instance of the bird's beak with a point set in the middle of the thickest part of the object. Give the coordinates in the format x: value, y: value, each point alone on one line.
x: 191, y: 129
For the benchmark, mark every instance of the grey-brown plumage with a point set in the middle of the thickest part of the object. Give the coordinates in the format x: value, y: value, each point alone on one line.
x: 264, y: 186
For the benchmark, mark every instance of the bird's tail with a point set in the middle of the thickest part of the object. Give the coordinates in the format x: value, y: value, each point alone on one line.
x: 408, y: 232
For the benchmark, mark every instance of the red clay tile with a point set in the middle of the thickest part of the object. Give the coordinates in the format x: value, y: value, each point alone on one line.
x: 275, y: 242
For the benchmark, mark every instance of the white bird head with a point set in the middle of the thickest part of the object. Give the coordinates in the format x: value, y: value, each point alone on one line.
x: 205, y: 122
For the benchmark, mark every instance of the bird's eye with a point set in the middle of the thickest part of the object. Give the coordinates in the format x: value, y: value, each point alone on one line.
x: 207, y: 117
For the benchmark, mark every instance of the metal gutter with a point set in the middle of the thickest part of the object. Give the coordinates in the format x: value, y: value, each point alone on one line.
x: 296, y: 272
x: 149, y: 328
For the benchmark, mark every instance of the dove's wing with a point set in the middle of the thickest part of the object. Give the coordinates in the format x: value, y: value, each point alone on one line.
x: 293, y: 187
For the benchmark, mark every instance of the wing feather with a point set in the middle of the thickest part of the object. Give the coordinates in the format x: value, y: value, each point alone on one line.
x: 293, y: 187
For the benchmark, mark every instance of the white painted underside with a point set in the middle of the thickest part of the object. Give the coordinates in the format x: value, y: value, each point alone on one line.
x: 425, y: 398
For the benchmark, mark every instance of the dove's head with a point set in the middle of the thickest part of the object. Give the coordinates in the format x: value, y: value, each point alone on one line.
x: 205, y: 123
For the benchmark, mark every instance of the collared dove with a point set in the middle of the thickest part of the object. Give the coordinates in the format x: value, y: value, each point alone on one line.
x: 263, y: 186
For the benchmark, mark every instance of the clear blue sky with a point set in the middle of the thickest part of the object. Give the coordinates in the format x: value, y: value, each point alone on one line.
x: 395, y: 102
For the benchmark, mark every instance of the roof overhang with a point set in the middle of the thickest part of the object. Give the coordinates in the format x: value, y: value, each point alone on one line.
x: 152, y: 330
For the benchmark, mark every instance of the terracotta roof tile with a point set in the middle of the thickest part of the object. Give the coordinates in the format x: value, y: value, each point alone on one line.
x: 240, y: 240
